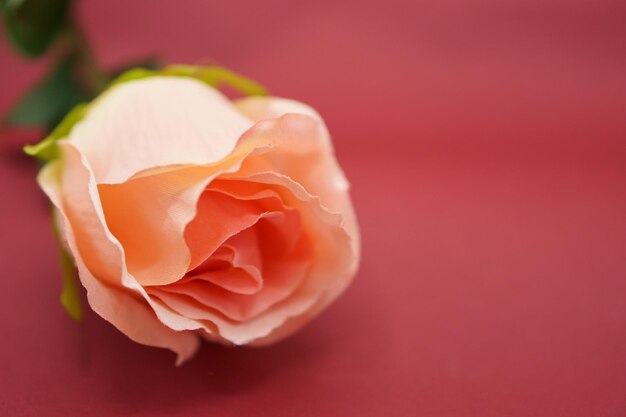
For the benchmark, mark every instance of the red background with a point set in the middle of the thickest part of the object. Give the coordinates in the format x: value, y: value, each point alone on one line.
x: 485, y: 143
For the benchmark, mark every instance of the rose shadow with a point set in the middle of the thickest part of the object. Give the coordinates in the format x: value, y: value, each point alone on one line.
x: 133, y: 375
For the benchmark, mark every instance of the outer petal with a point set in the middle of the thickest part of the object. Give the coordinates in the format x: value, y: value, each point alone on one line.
x: 156, y: 122
x: 130, y: 315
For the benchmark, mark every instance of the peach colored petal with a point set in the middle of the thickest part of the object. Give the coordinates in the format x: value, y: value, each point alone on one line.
x: 130, y: 315
x: 156, y: 122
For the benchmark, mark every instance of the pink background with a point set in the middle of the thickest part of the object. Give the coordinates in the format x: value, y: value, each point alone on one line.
x: 485, y: 141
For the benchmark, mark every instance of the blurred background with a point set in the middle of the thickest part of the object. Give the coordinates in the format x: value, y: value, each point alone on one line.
x: 485, y: 143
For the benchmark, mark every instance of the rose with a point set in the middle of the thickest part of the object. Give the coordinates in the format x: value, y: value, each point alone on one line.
x: 190, y: 215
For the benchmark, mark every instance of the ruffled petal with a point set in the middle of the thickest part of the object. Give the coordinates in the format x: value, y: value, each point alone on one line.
x: 298, y: 146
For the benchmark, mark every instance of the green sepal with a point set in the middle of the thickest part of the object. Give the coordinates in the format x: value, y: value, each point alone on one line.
x: 149, y: 63
x: 132, y: 75
x: 33, y: 25
x: 47, y: 149
x: 214, y: 76
x: 49, y: 101
x: 217, y: 77
x: 70, y: 293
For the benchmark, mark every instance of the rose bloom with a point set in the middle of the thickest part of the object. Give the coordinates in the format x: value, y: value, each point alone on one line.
x: 189, y: 215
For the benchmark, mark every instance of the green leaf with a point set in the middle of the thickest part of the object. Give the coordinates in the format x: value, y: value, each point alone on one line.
x: 33, y: 25
x: 47, y: 149
x: 47, y: 103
